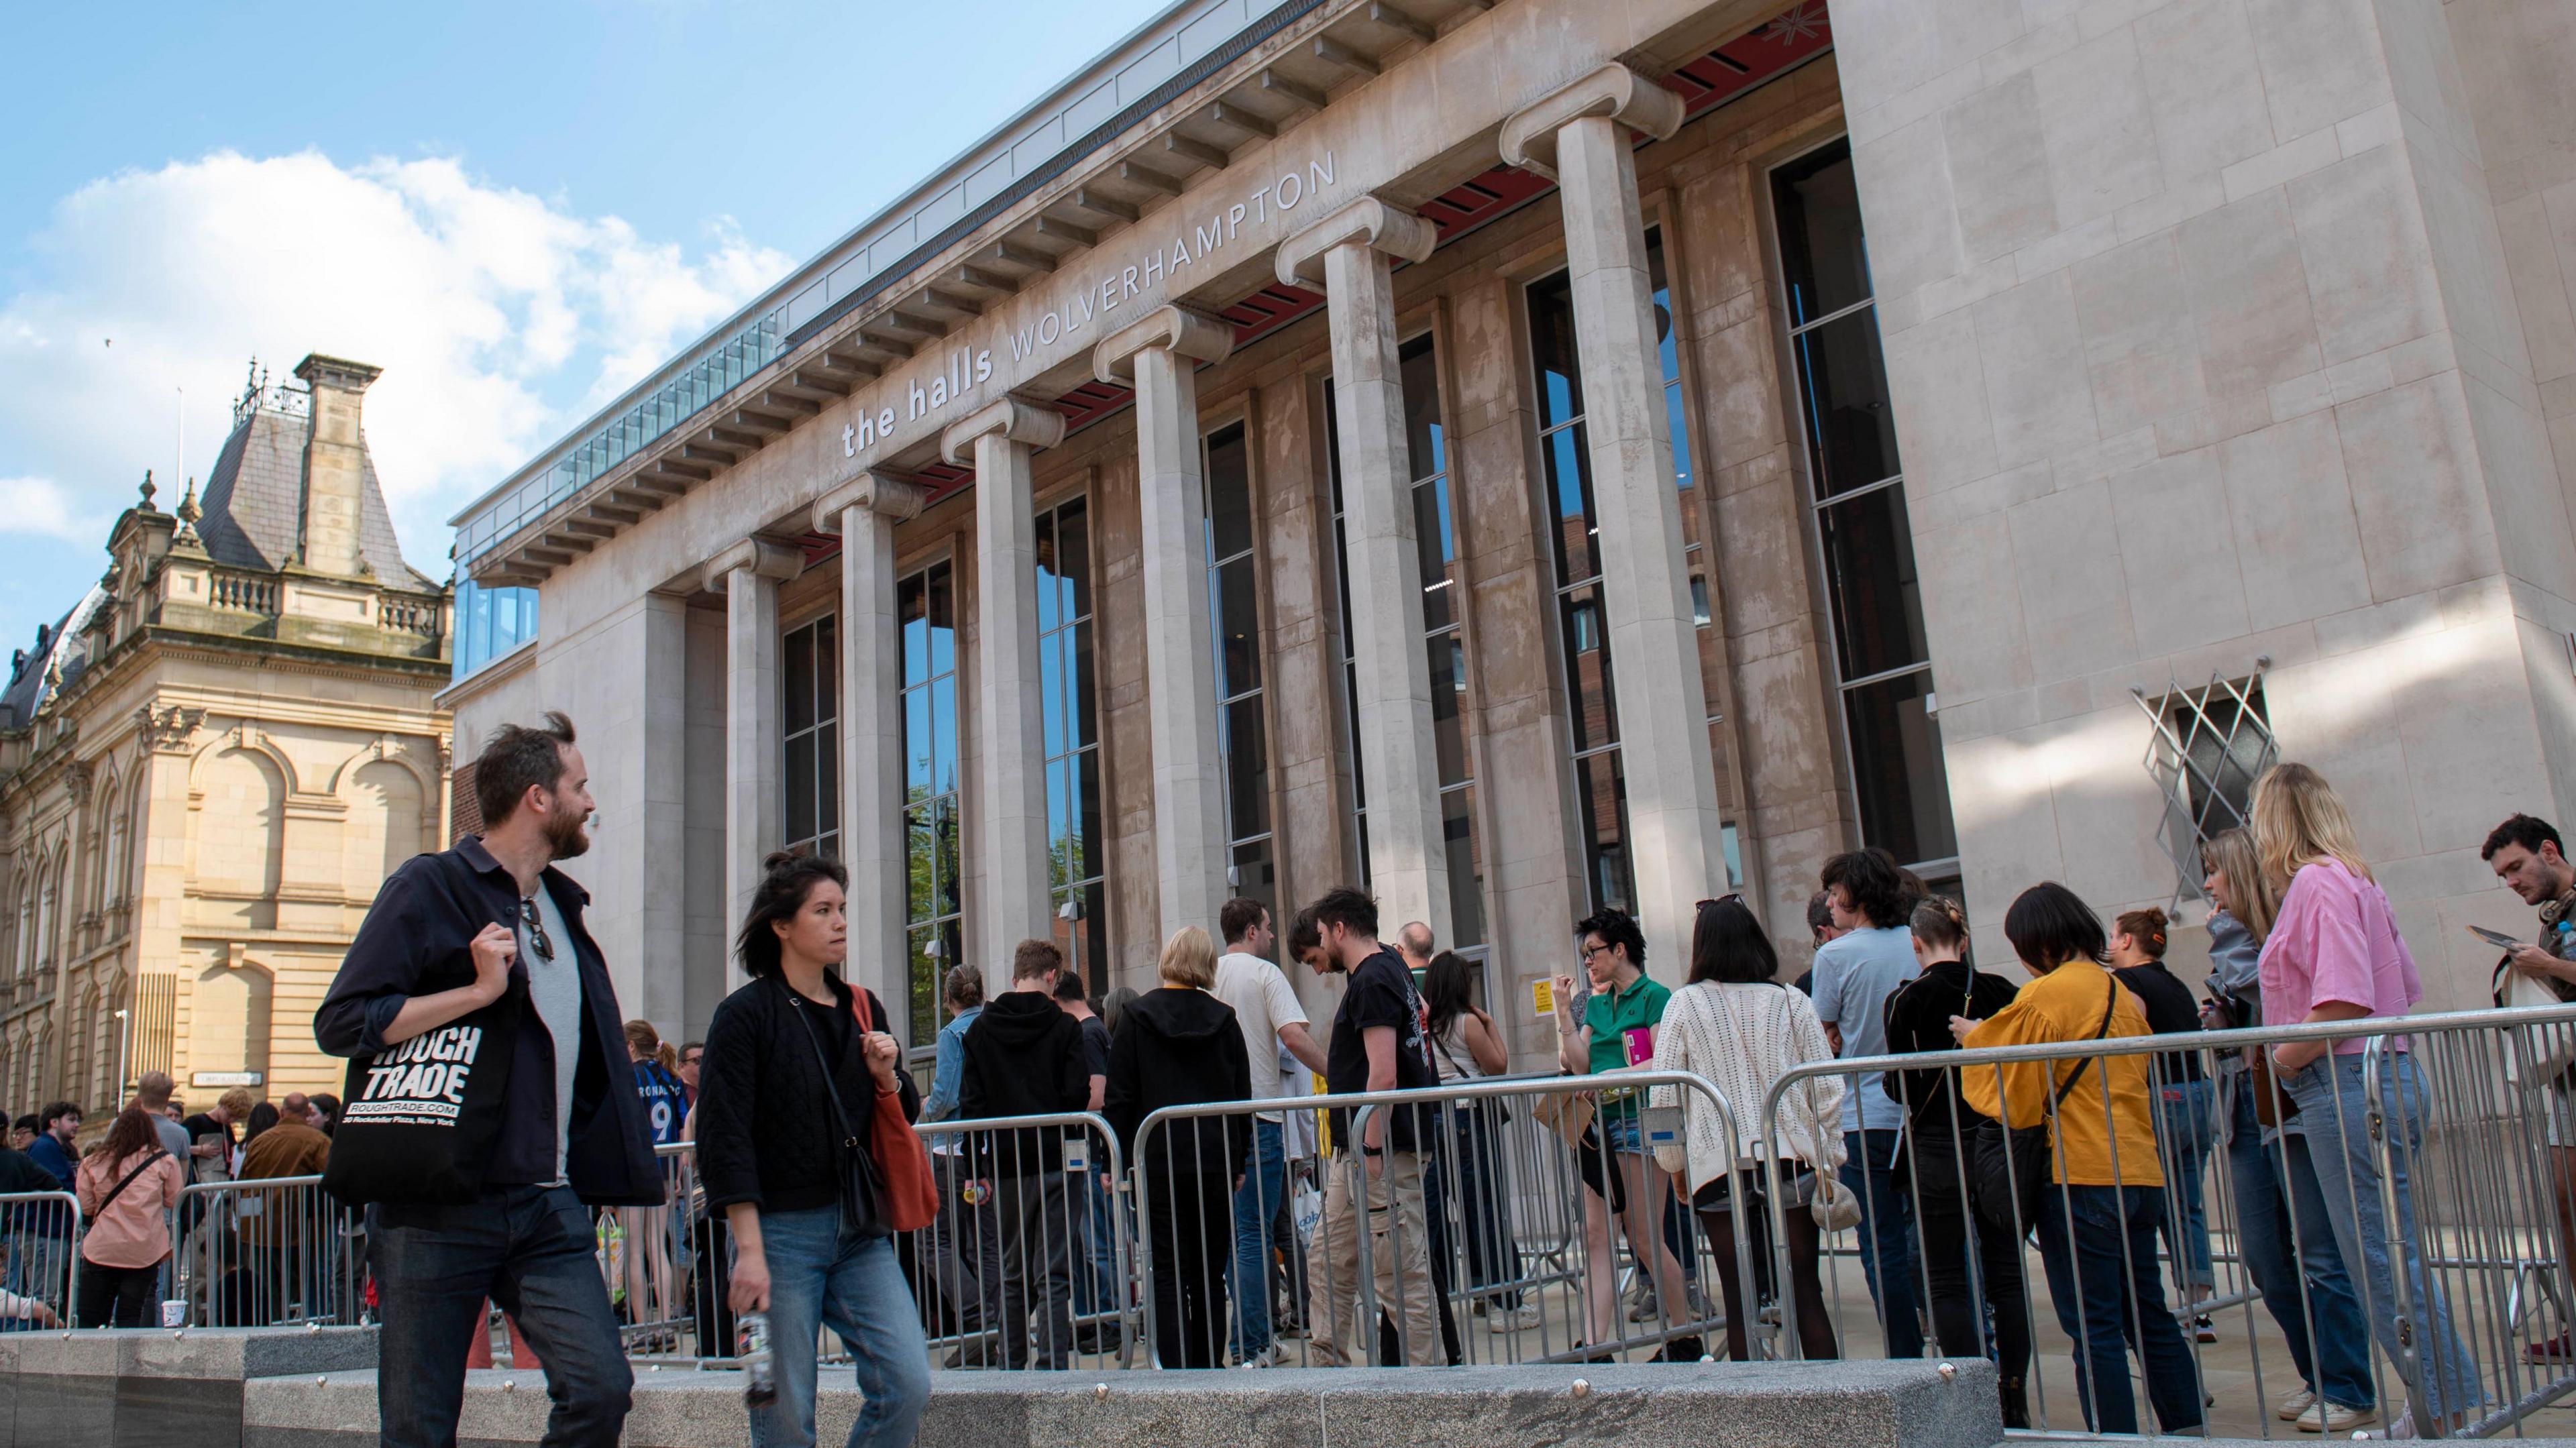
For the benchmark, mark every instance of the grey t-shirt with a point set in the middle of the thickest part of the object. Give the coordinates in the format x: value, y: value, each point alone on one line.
x: 1855, y: 974
x: 554, y: 988
x: 174, y: 1137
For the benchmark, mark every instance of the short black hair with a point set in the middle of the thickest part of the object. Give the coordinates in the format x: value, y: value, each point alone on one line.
x: 2050, y: 925
x: 1729, y: 945
x: 55, y: 1111
x: 1346, y: 907
x: 1820, y: 912
x: 516, y: 758
x: 1068, y: 987
x: 1237, y: 917
x: 27, y: 1122
x: 786, y: 879
x: 1615, y: 927
x: 1304, y: 936
x: 2528, y: 831
x: 1872, y: 881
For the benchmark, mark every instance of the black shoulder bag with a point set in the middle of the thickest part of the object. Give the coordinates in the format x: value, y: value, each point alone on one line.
x: 119, y: 1189
x: 2008, y: 1166
x: 422, y: 1116
x: 862, y: 1187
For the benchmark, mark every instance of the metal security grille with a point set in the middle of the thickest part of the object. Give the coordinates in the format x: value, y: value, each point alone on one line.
x: 2208, y: 746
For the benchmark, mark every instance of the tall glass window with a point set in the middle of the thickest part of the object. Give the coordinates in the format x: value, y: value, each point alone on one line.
x: 1427, y: 454
x: 1881, y: 659
x: 1242, y: 739
x: 1072, y: 737
x: 934, y: 895
x: 809, y: 672
x: 1592, y: 718
x: 489, y: 623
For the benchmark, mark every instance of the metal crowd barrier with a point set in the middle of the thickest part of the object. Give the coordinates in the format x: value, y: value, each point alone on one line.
x: 39, y: 1265
x: 265, y: 1252
x: 2404, y: 1225
x: 1258, y: 1248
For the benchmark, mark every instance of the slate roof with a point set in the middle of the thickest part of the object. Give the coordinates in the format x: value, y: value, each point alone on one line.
x: 252, y: 498
x: 61, y: 659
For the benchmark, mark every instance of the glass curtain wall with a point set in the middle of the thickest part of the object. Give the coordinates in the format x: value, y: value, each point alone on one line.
x: 1071, y: 726
x: 489, y: 623
x: 1444, y: 643
x: 934, y: 895
x: 1883, y: 665
x: 809, y: 672
x: 1233, y: 608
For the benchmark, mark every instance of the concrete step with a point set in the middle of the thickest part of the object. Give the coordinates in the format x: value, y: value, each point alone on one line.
x: 1737, y: 1405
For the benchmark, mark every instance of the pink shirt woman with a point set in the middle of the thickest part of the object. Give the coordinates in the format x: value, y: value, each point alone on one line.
x: 132, y: 1230
x: 2336, y: 941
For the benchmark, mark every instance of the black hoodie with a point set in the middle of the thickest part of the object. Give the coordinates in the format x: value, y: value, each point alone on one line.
x: 1024, y: 1057
x: 1178, y: 1047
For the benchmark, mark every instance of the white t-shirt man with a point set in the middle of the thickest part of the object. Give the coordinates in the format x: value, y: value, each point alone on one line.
x: 1262, y: 1003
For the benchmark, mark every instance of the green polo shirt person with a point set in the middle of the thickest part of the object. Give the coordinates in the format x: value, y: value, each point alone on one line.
x: 1625, y: 1183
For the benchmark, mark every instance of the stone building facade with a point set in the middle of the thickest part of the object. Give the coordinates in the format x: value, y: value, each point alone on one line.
x: 210, y: 764
x: 1537, y: 455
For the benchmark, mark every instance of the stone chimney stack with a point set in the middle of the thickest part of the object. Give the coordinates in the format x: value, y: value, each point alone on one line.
x: 335, y: 463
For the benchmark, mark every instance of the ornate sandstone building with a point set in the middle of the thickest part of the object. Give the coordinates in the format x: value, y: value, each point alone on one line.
x: 211, y: 762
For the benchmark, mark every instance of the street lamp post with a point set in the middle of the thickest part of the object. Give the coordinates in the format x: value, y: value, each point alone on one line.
x: 124, y: 1040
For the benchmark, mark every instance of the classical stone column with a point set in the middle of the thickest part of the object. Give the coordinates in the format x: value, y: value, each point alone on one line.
x: 1008, y: 824
x: 748, y: 575
x: 1579, y: 134
x: 864, y: 511
x: 1349, y: 256
x: 1159, y: 357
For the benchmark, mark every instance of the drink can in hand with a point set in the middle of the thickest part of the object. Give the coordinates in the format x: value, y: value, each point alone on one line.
x: 751, y: 1338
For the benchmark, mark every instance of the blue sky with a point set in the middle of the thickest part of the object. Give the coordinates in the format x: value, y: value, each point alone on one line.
x: 514, y: 209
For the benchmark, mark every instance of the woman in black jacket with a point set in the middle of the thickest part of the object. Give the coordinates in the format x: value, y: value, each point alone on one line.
x: 1180, y: 1046
x: 780, y: 1052
x: 1938, y: 1131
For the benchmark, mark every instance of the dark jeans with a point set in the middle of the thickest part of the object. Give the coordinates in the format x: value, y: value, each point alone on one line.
x: 530, y: 1250
x: 127, y: 1291
x: 1037, y: 1241
x: 1492, y: 1256
x: 2099, y: 1245
x: 1960, y: 1298
x: 1886, y: 1235
x: 1191, y: 1213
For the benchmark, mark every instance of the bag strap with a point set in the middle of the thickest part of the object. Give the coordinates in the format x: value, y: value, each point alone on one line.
x: 119, y: 1190
x: 2109, y: 1003
x: 831, y: 1086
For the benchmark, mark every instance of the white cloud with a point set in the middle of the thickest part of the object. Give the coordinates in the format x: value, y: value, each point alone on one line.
x: 500, y: 319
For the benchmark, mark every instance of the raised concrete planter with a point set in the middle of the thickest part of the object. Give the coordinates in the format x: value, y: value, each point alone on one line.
x: 154, y: 1388
x: 1785, y: 1405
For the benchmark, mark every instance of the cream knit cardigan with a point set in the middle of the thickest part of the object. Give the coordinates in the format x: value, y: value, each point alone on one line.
x: 1744, y: 1038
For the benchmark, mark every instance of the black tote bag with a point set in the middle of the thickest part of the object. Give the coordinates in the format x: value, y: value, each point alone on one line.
x: 418, y: 1122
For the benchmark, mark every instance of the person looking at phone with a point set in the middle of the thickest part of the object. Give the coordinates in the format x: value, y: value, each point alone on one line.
x: 1615, y: 1031
x: 2527, y: 855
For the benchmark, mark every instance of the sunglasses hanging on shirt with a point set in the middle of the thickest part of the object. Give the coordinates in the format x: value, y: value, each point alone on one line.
x: 537, y: 940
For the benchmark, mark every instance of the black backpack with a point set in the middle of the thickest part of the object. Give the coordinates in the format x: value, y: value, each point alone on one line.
x: 420, y: 1120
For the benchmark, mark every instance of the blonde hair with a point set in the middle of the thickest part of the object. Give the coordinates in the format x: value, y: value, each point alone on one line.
x: 2252, y: 899
x: 2298, y: 820
x: 1189, y: 959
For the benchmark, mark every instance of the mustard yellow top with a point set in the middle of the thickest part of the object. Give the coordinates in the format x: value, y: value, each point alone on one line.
x: 2066, y: 1005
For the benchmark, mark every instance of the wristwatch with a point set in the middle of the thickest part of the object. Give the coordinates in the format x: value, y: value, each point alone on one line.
x: 1368, y: 1150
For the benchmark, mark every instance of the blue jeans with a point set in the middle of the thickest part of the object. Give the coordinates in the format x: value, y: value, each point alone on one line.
x: 528, y: 1249
x: 1256, y: 1206
x: 2287, y: 1243
x: 2334, y: 1112
x: 1095, y: 1264
x: 1886, y: 1236
x: 2186, y: 1128
x: 821, y: 1276
x: 2099, y: 1246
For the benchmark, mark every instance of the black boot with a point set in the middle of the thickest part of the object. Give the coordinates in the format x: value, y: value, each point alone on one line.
x: 2016, y: 1402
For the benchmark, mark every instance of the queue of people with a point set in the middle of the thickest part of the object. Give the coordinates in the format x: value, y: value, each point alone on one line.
x: 1947, y: 1170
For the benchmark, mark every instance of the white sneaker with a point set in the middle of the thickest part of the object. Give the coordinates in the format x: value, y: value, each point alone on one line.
x: 2404, y: 1427
x: 2334, y: 1418
x: 1262, y: 1359
x: 1512, y: 1319
x: 2289, y: 1408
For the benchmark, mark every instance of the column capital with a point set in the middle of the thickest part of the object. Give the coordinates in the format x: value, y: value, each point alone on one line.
x: 1013, y: 417
x: 872, y: 490
x: 1529, y: 134
x: 764, y: 558
x: 1369, y: 222
x: 1186, y: 331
